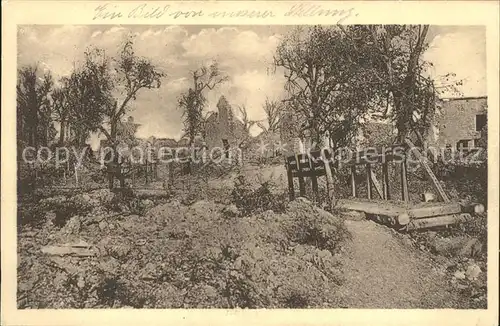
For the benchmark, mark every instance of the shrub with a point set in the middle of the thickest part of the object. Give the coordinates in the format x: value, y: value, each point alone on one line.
x: 252, y: 201
x: 316, y: 227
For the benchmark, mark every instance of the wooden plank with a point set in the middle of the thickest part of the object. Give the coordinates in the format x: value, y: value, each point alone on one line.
x: 473, y: 208
x: 438, y: 221
x: 353, y: 181
x: 428, y: 169
x: 368, y: 181
x: 385, y: 181
x: 404, y: 182
x: 374, y: 208
x: 438, y: 209
x: 375, y: 182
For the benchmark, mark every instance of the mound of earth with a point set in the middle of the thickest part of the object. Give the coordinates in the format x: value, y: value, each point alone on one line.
x: 178, y: 256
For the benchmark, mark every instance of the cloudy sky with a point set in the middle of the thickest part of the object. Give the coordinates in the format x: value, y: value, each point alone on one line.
x: 243, y: 52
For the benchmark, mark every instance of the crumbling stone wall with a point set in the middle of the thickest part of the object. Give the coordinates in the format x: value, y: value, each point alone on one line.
x: 456, y: 121
x: 222, y: 125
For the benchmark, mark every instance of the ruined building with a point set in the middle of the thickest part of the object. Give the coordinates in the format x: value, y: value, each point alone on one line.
x: 222, y: 128
x: 459, y: 122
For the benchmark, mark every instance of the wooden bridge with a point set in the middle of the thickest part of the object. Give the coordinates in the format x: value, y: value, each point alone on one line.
x: 400, y: 214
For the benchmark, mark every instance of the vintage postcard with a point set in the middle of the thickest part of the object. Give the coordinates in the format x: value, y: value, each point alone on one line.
x: 250, y: 162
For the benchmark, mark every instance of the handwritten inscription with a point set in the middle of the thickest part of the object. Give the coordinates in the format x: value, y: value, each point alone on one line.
x: 309, y: 10
x: 143, y: 11
x: 242, y: 14
x: 150, y: 11
x: 107, y: 11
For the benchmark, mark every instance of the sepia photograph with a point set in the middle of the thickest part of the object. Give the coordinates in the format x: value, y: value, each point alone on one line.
x: 249, y: 162
x: 251, y: 166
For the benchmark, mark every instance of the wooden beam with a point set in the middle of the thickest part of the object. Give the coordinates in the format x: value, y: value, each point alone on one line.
x: 314, y: 181
x: 291, y: 191
x: 374, y: 208
x: 353, y: 180
x: 368, y: 181
x: 428, y: 169
x: 329, y: 179
x: 375, y: 182
x: 434, y: 210
x: 403, y: 219
x: 302, y: 185
x: 385, y: 181
x: 473, y: 208
x: 438, y: 221
x: 170, y: 165
x: 404, y: 182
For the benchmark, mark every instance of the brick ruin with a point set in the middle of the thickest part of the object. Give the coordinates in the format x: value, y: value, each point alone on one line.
x: 222, y: 129
x: 459, y: 122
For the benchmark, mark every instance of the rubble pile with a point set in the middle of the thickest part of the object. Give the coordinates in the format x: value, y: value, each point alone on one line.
x: 179, y: 256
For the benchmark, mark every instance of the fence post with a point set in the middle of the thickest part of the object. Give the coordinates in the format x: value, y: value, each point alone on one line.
x: 170, y: 174
x: 368, y: 181
x: 314, y: 178
x: 404, y: 181
x: 385, y: 179
x: 329, y: 178
x: 353, y: 180
x: 302, y: 185
x: 289, y: 173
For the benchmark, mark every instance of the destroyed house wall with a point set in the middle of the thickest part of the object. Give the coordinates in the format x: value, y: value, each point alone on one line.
x: 458, y: 121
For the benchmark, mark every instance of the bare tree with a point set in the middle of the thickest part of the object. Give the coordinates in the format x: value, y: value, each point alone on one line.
x: 403, y: 90
x: 61, y: 111
x: 193, y: 101
x: 135, y: 73
x: 323, y: 83
x: 99, y: 99
x: 274, y: 111
x: 247, y: 125
x: 33, y: 106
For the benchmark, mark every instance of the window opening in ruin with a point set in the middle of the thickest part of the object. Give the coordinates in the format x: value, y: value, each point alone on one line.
x: 480, y: 121
x: 463, y: 144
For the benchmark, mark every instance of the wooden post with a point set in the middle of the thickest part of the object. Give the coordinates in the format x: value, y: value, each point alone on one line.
x: 147, y: 172
x: 289, y: 173
x: 329, y: 179
x: 111, y: 179
x: 76, y: 176
x: 353, y: 180
x: 385, y: 180
x: 376, y: 184
x: 302, y: 185
x: 404, y: 181
x: 171, y: 174
x: 368, y: 181
x: 428, y: 169
x: 314, y: 180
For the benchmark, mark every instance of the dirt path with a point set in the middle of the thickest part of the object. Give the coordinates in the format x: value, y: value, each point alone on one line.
x: 383, y: 272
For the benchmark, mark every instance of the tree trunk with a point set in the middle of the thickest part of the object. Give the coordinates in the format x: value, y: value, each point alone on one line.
x: 62, y: 133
